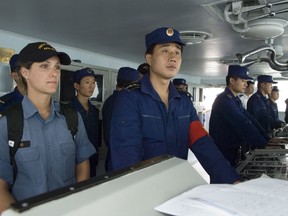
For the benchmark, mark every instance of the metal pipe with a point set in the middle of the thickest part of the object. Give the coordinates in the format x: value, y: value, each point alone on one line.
x: 274, y: 60
x: 275, y: 65
x: 242, y: 57
x: 271, y: 60
x: 268, y: 5
x: 271, y: 14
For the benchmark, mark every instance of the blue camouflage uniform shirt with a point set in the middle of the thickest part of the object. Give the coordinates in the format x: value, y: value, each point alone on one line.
x: 49, y: 160
x: 143, y: 128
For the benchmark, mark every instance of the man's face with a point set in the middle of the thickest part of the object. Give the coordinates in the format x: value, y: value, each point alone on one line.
x: 249, y: 89
x: 165, y: 61
x: 238, y: 85
x: 86, y: 86
x: 267, y: 87
x: 274, y: 95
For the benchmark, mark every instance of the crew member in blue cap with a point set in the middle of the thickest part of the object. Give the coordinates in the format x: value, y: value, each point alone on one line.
x: 180, y: 84
x: 155, y: 119
x: 84, y: 84
x: 231, y: 126
x: 49, y: 157
x: 257, y: 104
x: 16, y: 95
x: 126, y: 76
x: 273, y: 97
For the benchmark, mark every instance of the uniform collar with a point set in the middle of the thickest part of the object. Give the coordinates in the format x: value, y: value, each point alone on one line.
x: 79, y: 106
x: 146, y: 87
x: 29, y: 108
x: 229, y: 94
x: 261, y: 95
x: 272, y: 101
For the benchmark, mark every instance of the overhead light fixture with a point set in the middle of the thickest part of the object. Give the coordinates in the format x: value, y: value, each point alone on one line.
x: 194, y: 37
x: 263, y: 29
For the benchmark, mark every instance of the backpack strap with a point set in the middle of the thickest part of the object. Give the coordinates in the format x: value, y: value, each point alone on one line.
x: 15, y: 124
x: 71, y: 117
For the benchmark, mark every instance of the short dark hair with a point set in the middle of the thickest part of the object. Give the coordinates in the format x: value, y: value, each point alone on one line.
x: 150, y: 50
x: 249, y: 82
x: 228, y: 79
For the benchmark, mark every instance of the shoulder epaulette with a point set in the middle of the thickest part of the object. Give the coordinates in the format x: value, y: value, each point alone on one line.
x: 229, y: 95
x: 133, y: 86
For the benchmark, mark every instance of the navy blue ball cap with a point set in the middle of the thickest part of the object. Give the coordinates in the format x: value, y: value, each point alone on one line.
x: 179, y: 81
x: 163, y: 35
x: 128, y: 74
x: 239, y: 71
x: 265, y: 78
x: 79, y: 74
x: 14, y: 62
x: 250, y: 82
x: 41, y: 51
x: 275, y: 89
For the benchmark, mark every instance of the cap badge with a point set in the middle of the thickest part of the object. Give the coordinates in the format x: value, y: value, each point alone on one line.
x: 170, y: 32
x: 89, y: 70
x: 46, y: 46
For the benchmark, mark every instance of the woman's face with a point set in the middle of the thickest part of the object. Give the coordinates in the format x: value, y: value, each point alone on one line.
x: 42, y: 77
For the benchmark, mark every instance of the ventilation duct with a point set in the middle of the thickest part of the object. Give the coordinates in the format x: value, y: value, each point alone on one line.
x: 194, y: 37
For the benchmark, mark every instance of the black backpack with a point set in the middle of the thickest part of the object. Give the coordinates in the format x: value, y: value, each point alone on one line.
x: 15, y: 123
